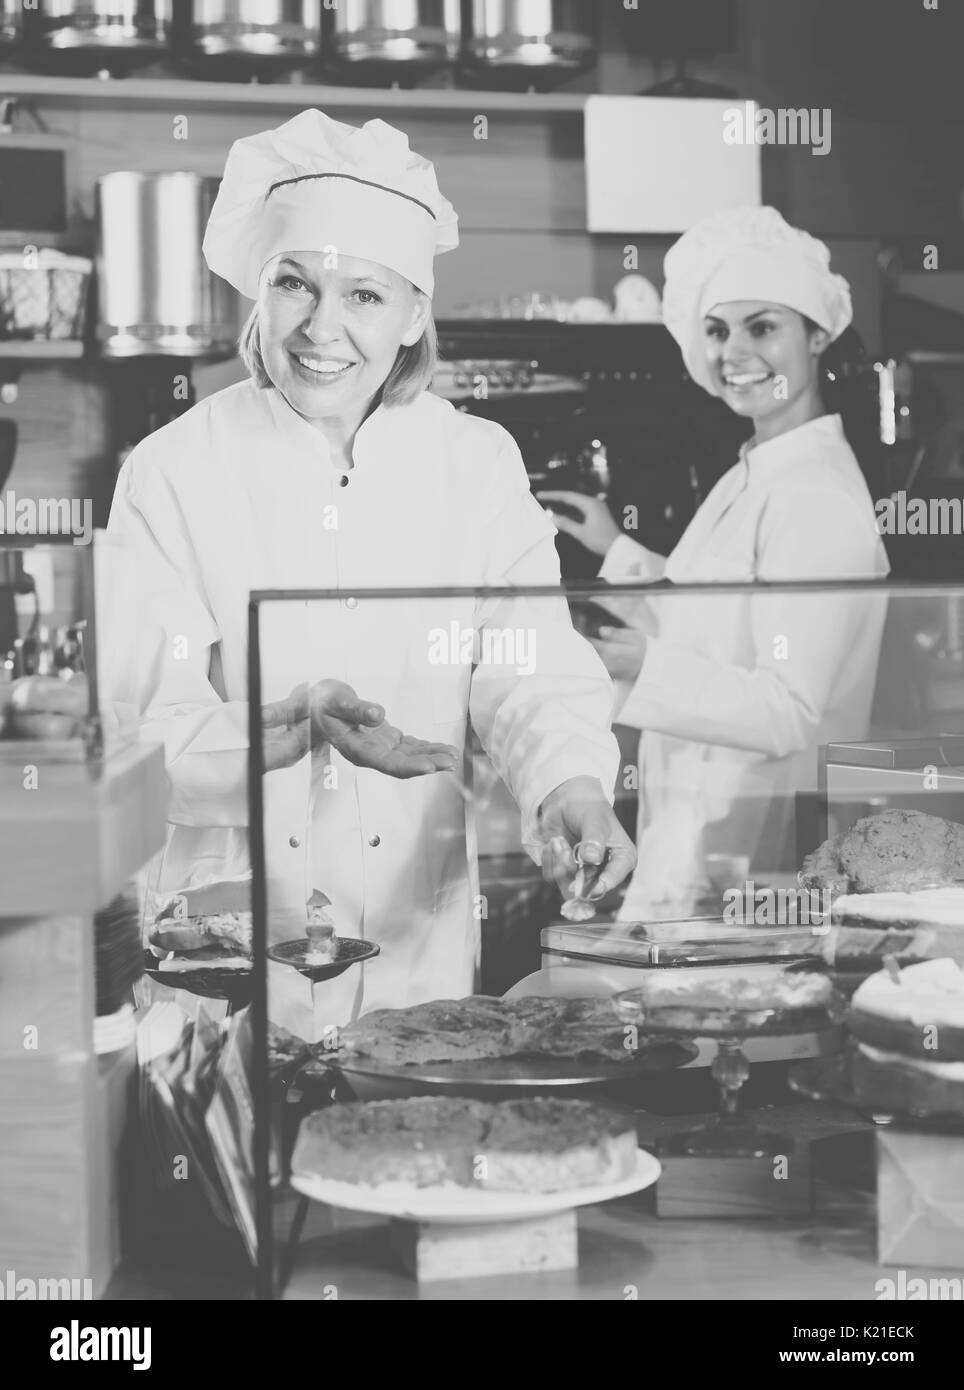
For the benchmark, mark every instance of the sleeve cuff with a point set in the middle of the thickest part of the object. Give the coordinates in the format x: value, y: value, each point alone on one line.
x: 627, y: 559
x: 602, y: 769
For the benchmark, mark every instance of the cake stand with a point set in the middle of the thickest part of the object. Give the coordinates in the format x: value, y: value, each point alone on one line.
x: 234, y: 986
x: 729, y: 1134
x: 349, y: 950
x: 830, y: 1078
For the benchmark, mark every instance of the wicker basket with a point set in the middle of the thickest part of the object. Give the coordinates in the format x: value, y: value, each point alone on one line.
x: 44, y: 300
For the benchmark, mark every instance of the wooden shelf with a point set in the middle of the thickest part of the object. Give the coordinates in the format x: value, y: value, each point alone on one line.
x: 70, y: 844
x: 176, y: 93
x: 57, y: 349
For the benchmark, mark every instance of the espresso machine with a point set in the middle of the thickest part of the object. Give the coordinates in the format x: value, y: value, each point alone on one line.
x: 602, y: 409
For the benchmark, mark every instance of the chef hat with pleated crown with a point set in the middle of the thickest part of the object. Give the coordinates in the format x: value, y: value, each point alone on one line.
x: 314, y: 184
x: 744, y: 254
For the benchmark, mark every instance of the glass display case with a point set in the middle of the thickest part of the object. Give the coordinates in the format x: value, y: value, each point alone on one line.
x: 391, y: 863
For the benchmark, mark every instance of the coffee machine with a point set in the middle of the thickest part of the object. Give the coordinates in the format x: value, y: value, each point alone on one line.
x: 601, y: 409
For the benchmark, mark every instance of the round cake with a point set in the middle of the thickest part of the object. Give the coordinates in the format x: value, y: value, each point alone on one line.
x: 910, y: 1040
x: 767, y: 997
x: 539, y: 1144
x: 925, y: 924
x: 893, y: 851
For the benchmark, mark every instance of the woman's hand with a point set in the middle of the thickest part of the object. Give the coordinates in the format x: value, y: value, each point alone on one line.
x: 286, y: 734
x: 623, y: 650
x: 330, y: 712
x: 577, y: 813
x: 596, y: 531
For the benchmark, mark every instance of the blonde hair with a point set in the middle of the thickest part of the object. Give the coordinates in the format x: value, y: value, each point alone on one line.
x: 411, y: 373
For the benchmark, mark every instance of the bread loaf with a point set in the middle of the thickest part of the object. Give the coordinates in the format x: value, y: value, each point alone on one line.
x: 48, y: 707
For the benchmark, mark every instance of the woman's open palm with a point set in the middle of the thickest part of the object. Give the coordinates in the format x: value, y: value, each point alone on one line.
x: 330, y: 712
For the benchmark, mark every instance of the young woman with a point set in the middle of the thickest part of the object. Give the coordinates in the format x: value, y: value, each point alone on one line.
x: 735, y: 693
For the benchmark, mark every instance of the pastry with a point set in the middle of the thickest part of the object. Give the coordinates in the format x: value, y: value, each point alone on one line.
x: 894, y: 851
x: 221, y: 940
x: 284, y: 1048
x: 887, y: 1083
x: 767, y: 988
x: 422, y: 1142
x: 320, y: 931
x: 909, y: 1057
x: 580, y: 1028
x: 844, y: 946
x: 930, y: 907
x: 480, y: 1027
x: 689, y: 1001
x: 919, y: 1014
x: 536, y: 1145
x: 915, y: 926
x: 545, y: 1144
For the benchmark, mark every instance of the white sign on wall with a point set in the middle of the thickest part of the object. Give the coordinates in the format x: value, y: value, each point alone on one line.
x: 659, y: 164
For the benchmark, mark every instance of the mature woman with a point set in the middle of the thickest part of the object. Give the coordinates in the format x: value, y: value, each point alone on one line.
x: 333, y: 468
x: 735, y: 694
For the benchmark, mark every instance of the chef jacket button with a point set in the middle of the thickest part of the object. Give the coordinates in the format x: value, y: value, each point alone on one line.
x: 343, y: 480
x: 374, y: 841
x: 351, y: 603
x: 293, y: 841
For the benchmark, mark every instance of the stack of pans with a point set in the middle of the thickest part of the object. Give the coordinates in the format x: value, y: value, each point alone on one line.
x: 89, y: 36
x: 255, y: 39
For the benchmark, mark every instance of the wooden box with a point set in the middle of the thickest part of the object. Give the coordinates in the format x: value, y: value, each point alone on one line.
x: 433, y: 1251
x: 920, y: 1199
x: 701, y: 1186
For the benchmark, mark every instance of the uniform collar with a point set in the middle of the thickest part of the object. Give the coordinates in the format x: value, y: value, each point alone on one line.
x: 370, y: 431
x: 787, y: 448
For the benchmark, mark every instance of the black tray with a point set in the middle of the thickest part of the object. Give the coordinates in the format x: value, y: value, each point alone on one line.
x: 350, y: 951
x: 513, y: 1075
x: 233, y: 985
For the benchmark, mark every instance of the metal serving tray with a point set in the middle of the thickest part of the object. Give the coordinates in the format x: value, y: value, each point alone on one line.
x: 490, y: 1077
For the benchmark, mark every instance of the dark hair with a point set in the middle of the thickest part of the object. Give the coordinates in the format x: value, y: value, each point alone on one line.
x: 848, y: 388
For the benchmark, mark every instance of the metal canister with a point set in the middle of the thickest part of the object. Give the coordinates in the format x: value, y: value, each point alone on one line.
x: 82, y: 36
x: 396, y: 34
x: 529, y: 36
x: 238, y: 39
x: 155, y: 292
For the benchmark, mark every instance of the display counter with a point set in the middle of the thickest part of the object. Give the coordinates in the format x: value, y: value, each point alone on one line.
x: 79, y: 816
x: 742, y: 771
x: 651, y: 1050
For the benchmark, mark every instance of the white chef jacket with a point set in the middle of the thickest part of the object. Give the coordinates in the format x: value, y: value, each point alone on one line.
x: 737, y: 692
x: 240, y: 493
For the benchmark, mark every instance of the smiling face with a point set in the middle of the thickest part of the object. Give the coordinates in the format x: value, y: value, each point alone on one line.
x: 764, y: 360
x: 330, y: 329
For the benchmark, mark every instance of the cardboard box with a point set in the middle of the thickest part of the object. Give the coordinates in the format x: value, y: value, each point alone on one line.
x: 920, y: 1199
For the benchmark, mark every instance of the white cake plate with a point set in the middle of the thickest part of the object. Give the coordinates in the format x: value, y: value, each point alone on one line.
x: 468, y: 1206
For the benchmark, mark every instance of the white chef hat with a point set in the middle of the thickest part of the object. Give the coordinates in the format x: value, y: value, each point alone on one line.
x: 315, y: 184
x: 747, y: 253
